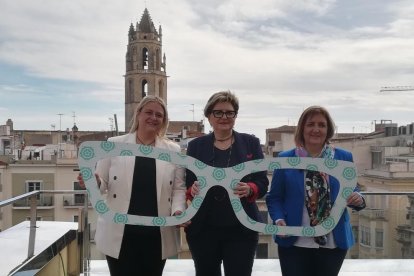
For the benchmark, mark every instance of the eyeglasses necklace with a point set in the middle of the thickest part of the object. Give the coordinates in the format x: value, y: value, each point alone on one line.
x: 226, y: 164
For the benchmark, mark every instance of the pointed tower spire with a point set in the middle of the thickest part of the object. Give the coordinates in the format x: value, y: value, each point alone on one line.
x: 145, y: 65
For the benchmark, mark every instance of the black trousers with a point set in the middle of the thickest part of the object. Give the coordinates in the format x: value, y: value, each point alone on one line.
x: 295, y: 261
x: 235, y: 248
x: 140, y: 256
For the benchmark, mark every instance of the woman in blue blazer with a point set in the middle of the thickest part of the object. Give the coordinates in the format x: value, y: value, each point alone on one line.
x: 304, y: 198
x: 215, y: 235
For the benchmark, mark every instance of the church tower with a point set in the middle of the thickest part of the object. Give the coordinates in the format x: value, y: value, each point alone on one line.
x: 145, y: 66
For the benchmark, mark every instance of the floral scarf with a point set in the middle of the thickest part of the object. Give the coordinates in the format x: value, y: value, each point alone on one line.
x: 317, y: 191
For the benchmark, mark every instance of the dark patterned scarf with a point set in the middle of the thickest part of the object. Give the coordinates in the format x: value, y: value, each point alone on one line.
x: 317, y: 192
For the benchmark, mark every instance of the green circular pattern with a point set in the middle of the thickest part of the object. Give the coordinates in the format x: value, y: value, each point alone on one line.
x: 120, y: 218
x: 200, y: 165
x: 126, y: 153
x: 274, y: 166
x: 164, y: 157
x: 293, y: 161
x: 346, y: 192
x: 312, y: 167
x: 182, y: 155
x: 86, y: 173
x: 258, y: 161
x: 252, y: 221
x: 349, y: 173
x: 202, y: 182
x: 239, y: 167
x: 328, y: 223
x: 196, y: 203
x: 159, y: 221
x: 87, y: 153
x: 271, y: 229
x: 107, y: 146
x: 308, y: 231
x: 234, y: 183
x: 144, y: 149
x: 101, y: 207
x: 331, y: 163
x: 181, y: 215
x: 236, y: 204
x: 219, y: 174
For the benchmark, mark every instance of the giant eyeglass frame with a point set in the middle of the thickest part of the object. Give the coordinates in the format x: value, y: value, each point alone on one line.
x: 92, y: 151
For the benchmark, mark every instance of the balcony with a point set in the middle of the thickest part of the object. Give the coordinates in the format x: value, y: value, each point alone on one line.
x: 43, y: 202
x: 74, y: 201
x: 45, y: 247
x: 375, y: 214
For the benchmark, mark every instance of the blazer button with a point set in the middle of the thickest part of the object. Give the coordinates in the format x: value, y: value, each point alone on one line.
x: 115, y: 177
x: 114, y: 195
x: 170, y: 182
x: 169, y: 199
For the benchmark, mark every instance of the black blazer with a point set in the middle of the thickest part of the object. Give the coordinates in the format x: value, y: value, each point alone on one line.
x: 245, y: 148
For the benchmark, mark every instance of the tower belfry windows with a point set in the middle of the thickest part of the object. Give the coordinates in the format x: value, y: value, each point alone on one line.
x: 145, y: 58
x: 144, y: 89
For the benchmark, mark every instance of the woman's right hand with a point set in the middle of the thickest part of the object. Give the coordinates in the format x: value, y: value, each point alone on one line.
x: 281, y: 222
x: 82, y: 182
x: 195, y: 189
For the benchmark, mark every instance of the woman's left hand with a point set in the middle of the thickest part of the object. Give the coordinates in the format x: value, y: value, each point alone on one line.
x: 355, y: 199
x: 185, y: 224
x: 242, y: 190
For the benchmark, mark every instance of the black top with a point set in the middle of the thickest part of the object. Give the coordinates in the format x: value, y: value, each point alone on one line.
x: 143, y: 200
x: 220, y: 212
x: 245, y: 148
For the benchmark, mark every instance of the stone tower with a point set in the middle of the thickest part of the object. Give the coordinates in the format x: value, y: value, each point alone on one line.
x: 145, y: 65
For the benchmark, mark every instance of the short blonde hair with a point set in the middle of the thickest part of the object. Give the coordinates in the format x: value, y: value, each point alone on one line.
x: 140, y: 106
x: 221, y: 97
x: 308, y: 113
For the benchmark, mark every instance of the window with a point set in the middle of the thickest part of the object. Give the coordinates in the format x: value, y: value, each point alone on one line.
x: 264, y: 216
x: 262, y: 251
x: 379, y: 238
x: 355, y: 232
x: 365, y: 235
x: 76, y: 218
x: 34, y: 185
x: 79, y: 199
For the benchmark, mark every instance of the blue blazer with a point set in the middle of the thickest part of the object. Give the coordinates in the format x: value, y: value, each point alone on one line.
x: 245, y: 148
x: 285, y: 200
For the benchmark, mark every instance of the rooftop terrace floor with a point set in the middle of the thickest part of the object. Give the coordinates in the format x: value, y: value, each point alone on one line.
x: 270, y: 267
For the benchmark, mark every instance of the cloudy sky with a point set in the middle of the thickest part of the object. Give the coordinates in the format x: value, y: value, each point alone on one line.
x: 278, y: 56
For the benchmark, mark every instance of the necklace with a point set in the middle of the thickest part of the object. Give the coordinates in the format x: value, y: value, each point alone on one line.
x: 224, y: 139
x: 139, y: 141
x: 220, y: 154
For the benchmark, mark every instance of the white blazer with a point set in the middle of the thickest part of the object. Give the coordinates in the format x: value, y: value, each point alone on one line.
x: 116, y: 174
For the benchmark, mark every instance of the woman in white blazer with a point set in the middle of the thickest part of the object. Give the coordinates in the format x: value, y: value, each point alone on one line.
x: 141, y: 186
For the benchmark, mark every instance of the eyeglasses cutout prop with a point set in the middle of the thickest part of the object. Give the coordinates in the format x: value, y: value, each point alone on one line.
x: 92, y: 151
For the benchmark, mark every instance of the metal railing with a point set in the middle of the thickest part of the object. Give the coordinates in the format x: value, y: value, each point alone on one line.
x: 83, y: 224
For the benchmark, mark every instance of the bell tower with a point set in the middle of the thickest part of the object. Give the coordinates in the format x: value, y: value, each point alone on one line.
x: 145, y: 65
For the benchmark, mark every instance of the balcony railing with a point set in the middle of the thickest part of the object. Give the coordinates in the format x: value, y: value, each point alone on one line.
x: 384, y: 230
x: 31, y: 200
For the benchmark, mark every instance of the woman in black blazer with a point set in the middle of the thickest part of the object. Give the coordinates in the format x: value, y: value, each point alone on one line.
x: 215, y: 235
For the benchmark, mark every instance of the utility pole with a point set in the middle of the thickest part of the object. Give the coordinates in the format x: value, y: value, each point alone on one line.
x: 192, y: 111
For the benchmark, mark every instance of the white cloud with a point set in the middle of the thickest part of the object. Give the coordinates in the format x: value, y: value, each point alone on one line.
x: 278, y: 56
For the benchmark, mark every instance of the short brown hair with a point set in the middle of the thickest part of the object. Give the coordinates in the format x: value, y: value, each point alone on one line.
x: 221, y: 97
x: 306, y: 114
x: 140, y: 106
